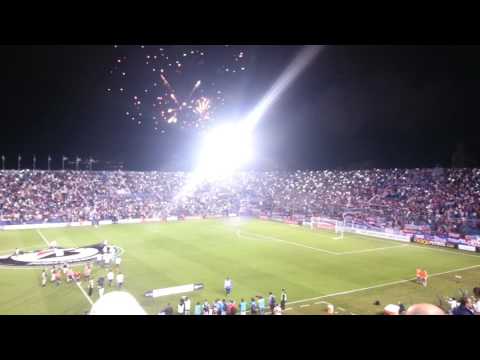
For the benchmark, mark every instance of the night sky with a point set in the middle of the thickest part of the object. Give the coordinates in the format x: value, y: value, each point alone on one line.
x: 355, y: 106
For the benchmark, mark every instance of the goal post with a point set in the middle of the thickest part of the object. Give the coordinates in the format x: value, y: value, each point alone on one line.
x: 318, y: 223
x: 339, y: 230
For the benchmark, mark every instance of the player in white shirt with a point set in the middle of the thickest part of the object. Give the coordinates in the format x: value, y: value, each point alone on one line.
x: 228, y: 286
x: 120, y: 279
x: 101, y: 291
x: 52, y: 276
x: 44, y: 278
x: 181, y: 307
x: 110, y: 277
x: 106, y: 259
x: 118, y: 261
x: 188, y: 304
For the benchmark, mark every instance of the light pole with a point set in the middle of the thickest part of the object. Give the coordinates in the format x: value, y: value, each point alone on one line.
x: 64, y: 158
x: 3, y: 162
x: 34, y: 162
x: 19, y: 161
x: 49, y: 161
x: 77, y: 162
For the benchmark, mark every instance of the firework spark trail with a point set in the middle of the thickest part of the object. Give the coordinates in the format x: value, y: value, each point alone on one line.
x: 176, y: 78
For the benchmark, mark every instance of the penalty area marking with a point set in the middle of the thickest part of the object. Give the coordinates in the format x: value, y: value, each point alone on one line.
x: 252, y: 235
x: 248, y: 235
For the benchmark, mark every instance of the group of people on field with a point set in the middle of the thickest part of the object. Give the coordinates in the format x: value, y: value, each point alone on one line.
x: 257, y: 305
x: 106, y: 260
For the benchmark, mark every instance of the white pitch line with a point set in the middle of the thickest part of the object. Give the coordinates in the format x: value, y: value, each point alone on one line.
x: 78, y: 285
x: 43, y: 237
x: 239, y: 233
x: 250, y: 235
x: 84, y: 293
x: 302, y: 306
x: 371, y: 250
x: 380, y: 285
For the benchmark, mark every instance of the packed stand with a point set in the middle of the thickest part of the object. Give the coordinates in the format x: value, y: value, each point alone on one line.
x: 444, y: 200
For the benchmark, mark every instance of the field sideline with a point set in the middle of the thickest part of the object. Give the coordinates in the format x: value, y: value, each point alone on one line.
x: 259, y: 256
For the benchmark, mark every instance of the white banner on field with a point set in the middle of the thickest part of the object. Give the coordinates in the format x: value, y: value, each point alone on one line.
x: 182, y: 289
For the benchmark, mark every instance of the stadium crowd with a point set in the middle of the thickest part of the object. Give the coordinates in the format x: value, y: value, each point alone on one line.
x: 443, y: 200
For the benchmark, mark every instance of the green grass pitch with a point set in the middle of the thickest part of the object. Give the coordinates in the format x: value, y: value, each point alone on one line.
x: 316, y: 269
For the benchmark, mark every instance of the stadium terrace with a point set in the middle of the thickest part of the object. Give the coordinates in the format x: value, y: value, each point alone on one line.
x: 431, y: 201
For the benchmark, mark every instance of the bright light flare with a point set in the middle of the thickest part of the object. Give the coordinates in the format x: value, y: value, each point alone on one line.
x: 225, y: 149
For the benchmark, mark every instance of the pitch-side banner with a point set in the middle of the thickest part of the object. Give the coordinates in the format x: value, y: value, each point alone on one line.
x: 182, y: 289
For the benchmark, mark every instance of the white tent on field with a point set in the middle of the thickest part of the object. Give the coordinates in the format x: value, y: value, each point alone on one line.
x: 117, y: 303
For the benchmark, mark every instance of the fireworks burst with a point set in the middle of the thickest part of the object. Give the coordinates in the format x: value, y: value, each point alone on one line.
x: 175, y: 85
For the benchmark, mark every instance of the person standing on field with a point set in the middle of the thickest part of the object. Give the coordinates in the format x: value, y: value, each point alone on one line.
x: 181, y: 307
x: 253, y: 307
x: 228, y: 286
x: 243, y: 307
x: 58, y: 277
x: 198, y: 309
x: 261, y: 305
x: 271, y: 301
x: 91, y: 285
x: 120, y: 280
x: 110, y: 277
x: 283, y: 299
x: 44, y: 278
x: 118, y: 261
x: 188, y: 305
x: 87, y: 271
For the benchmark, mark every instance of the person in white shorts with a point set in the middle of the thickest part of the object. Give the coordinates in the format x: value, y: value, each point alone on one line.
x: 181, y: 307
x: 52, y: 276
x: 120, y: 279
x: 44, y: 278
x: 118, y: 261
x: 106, y: 259
x: 110, y: 277
x: 188, y: 304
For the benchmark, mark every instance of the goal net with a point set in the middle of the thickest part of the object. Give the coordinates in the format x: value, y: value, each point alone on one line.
x: 318, y: 223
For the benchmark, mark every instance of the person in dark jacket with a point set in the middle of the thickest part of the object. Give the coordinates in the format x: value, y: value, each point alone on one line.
x: 465, y: 307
